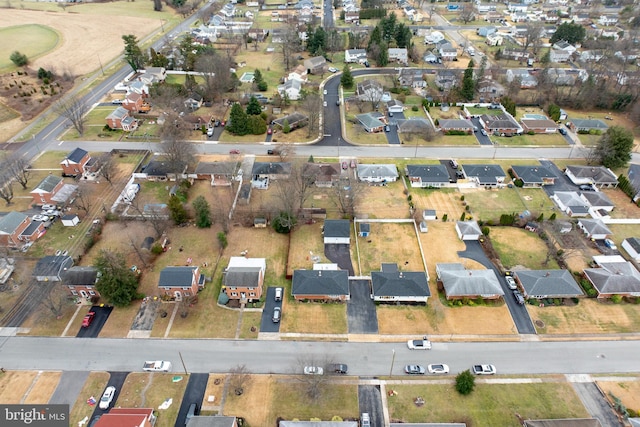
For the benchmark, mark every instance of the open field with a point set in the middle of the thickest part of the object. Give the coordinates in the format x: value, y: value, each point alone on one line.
x: 490, y: 204
x: 306, y: 241
x: 488, y: 405
x: 29, y: 39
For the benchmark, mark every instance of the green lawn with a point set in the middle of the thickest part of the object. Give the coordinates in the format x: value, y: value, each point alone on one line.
x: 457, y: 140
x: 554, y: 139
x: 32, y: 40
x: 476, y: 111
x: 518, y: 247
x: 488, y: 405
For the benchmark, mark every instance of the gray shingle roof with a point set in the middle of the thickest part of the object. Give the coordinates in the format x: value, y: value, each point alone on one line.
x: 47, y: 184
x: 216, y: 168
x: 469, y: 227
x: 486, y: 174
x: 320, y: 282
x: 271, y: 168
x: 459, y: 282
x: 377, y: 171
x: 337, y: 228
x: 10, y: 222
x: 551, y: 283
x: 533, y: 174
x: 176, y: 276
x: 400, y: 283
x: 595, y: 226
x: 52, y: 266
x: 634, y: 242
x: 614, y: 278
x: 80, y: 276
x: 76, y: 155
x: 243, y: 276
x: 429, y: 173
x: 455, y: 124
x: 599, y: 174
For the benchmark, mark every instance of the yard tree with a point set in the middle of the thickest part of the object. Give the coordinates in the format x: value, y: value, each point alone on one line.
x: 55, y: 299
x: 347, y: 78
x: 292, y: 193
x: 468, y: 13
x: 19, y: 59
x: 258, y: 81
x: 403, y: 36
x: 132, y: 52
x: 509, y: 105
x: 177, y: 211
x: 203, y: 212
x: 465, y: 382
x: 284, y: 222
x: 117, y: 284
x: 216, y: 73
x: 17, y: 168
x: 614, y: 147
x: 467, y: 91
x: 6, y: 189
x: 312, y: 105
x: 314, y: 385
x: 290, y: 47
x: 108, y: 167
x: 74, y: 109
x: 347, y: 198
x: 569, y: 32
x: 188, y: 52
x: 256, y: 125
x: 238, y: 119
x: 532, y: 36
x: 253, y: 108
x: 554, y: 112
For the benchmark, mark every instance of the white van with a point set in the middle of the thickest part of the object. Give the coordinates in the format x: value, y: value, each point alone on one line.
x: 278, y: 294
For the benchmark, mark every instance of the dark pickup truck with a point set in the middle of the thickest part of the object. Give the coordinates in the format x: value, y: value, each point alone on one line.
x: 337, y: 368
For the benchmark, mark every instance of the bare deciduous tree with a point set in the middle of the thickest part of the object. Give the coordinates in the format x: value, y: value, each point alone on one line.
x: 532, y: 36
x: 17, y: 168
x: 74, y: 109
x: 6, y: 190
x: 240, y: 376
x: 312, y: 105
x: 285, y: 150
x: 295, y: 191
x: 216, y: 74
x: 83, y: 198
x: 55, y: 300
x: 157, y: 217
x: 467, y: 14
x: 108, y: 167
x: 290, y: 46
x: 314, y: 385
x: 348, y: 197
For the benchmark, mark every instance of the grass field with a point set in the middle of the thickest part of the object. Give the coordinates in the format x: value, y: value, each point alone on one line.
x: 490, y: 204
x: 518, y: 247
x: 32, y: 40
x: 390, y: 242
x: 488, y: 405
x: 554, y: 139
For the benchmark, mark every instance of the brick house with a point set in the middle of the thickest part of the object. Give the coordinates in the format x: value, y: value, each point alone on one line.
x: 180, y: 281
x: 244, y: 278
x: 135, y: 103
x: 12, y: 225
x: 120, y: 119
x: 139, y: 417
x: 47, y: 189
x: 81, y: 281
x: 75, y: 163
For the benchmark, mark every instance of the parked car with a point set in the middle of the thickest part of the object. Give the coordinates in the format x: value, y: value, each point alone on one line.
x: 453, y: 164
x: 270, y: 152
x: 324, y: 104
x: 586, y: 187
x: 423, y: 344
x: 387, y: 128
x: 88, y: 318
x: 338, y: 368
x: 353, y: 163
x: 511, y: 282
x: 518, y: 296
x: 333, y: 70
x: 192, y: 412
x: 40, y: 218
x: 483, y: 369
x: 278, y: 294
x: 414, y: 370
x: 562, y: 131
x: 338, y: 102
x: 344, y: 165
x: 210, y: 132
x: 459, y: 174
x: 483, y: 132
x: 107, y: 397
x: 269, y: 131
x: 48, y: 207
x: 313, y: 370
x: 439, y: 368
x: 234, y: 151
x: 365, y: 421
x: 610, y: 244
x: 277, y: 314
x: 324, y: 92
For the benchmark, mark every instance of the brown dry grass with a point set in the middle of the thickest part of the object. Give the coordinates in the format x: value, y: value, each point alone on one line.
x: 94, y: 386
x: 627, y: 391
x: 444, y: 201
x: 43, y: 387
x: 255, y: 404
x: 314, y: 318
x: 306, y: 239
x: 14, y: 385
x: 624, y: 207
x: 384, y: 202
x: 389, y: 242
x: 588, y: 317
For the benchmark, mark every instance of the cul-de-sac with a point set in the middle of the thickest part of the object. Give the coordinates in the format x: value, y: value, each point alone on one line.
x: 320, y: 213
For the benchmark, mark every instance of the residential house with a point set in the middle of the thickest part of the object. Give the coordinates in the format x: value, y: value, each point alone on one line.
x: 607, y: 20
x: 446, y: 79
x: 433, y: 37
x: 412, y: 77
x: 12, y: 226
x: 371, y: 122
x: 228, y: 10
x: 519, y: 17
x: 632, y: 246
x: 430, y: 57
x: 336, y: 231
x: 558, y: 55
x: 446, y: 50
x: 179, y: 281
x: 370, y: 91
x: 355, y: 55
x: 600, y: 205
x: 119, y: 119
x: 193, y: 101
x: 81, y: 281
x: 486, y: 31
x: 468, y: 230
x: 324, y: 175
x: 377, y: 173
x: 515, y: 54
x: 75, y: 163
x: 565, y: 46
x: 486, y: 175
x: 290, y: 89
x: 47, y: 189
x: 415, y: 125
x: 590, y: 55
x: 395, y: 286
x: 503, y: 124
x: 219, y: 173
x: 599, y: 176
x: 295, y: 120
x: 428, y: 176
x: 138, y: 417
x: 594, y: 228
x: 526, y: 79
x: 212, y: 421
x: 517, y: 7
x: 352, y: 17
x: 151, y: 75
x: 298, y: 73
x: 534, y: 176
x: 562, y: 77
x: 459, y: 283
x: 139, y: 87
x: 400, y: 55
x: 634, y: 179
x: 539, y: 126
x: 52, y: 268
x: 494, y: 40
x: 315, y: 65
x: 571, y: 203
x: 489, y: 87
x: 136, y: 103
x: 618, y: 278
x: 395, y: 106
x: 541, y: 284
x: 244, y: 278
x: 493, y: 16
x: 485, y: 7
x: 263, y: 173
x: 320, y: 285
x: 587, y: 125
x: 464, y: 125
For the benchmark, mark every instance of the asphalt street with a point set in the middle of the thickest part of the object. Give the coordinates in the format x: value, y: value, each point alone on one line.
x: 364, y: 359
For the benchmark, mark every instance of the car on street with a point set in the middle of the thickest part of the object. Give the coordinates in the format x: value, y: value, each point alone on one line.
x: 438, y: 368
x: 483, y: 369
x: 366, y: 64
x: 414, y: 370
x: 324, y: 92
x: 610, y: 244
x: 234, y: 151
x: 387, y: 128
x: 107, y: 397
x: 333, y: 70
x: 518, y: 296
x: 423, y: 344
x: 511, y: 282
x: 338, y: 368
x: 338, y: 102
x: 313, y: 370
x: 324, y: 104
x: 88, y: 318
x: 117, y: 102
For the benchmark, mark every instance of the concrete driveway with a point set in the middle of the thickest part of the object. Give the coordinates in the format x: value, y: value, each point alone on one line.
x: 361, y: 310
x: 102, y: 314
x: 69, y: 387
x: 266, y: 324
x: 596, y: 404
x: 450, y: 170
x: 194, y: 393
x: 370, y: 401
x: 519, y: 313
x: 339, y: 254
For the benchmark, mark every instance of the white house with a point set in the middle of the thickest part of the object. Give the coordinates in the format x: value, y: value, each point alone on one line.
x: 433, y: 37
x: 517, y: 7
x: 594, y: 228
x: 336, y: 231
x: 291, y: 88
x: 375, y: 173
x: 468, y: 230
x: 399, y: 54
x: 355, y: 55
x: 606, y: 20
x: 632, y: 246
x: 494, y: 40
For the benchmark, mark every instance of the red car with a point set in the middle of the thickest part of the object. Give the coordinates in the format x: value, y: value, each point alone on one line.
x: 234, y: 151
x: 344, y: 165
x: 88, y: 318
x: 269, y: 131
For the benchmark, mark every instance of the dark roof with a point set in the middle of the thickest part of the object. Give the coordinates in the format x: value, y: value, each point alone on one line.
x: 337, y: 228
x: 364, y: 227
x: 52, y: 266
x: 634, y: 177
x: 11, y: 221
x: 76, y: 155
x: 634, y: 242
x: 533, y: 174
x: 156, y: 168
x: 599, y: 174
x: 499, y: 121
x: 486, y: 174
x: 292, y: 118
x: 271, y: 168
x: 429, y: 173
x: 320, y: 282
x: 176, y: 277
x: 48, y: 184
x: 242, y: 276
x: 31, y: 228
x: 80, y: 276
x: 614, y: 278
x: 216, y: 168
x: 400, y: 283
